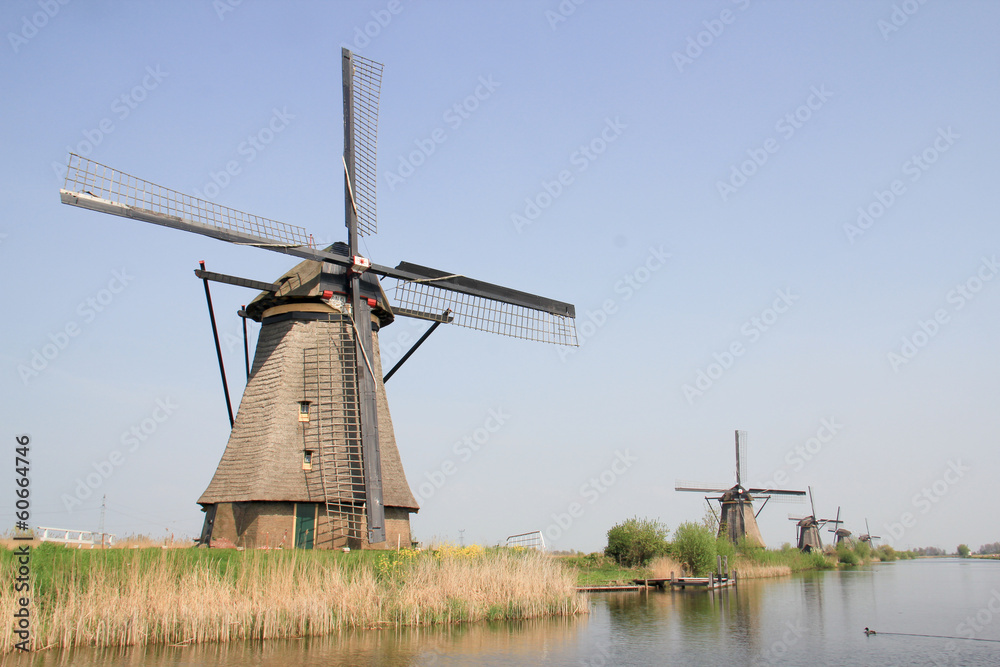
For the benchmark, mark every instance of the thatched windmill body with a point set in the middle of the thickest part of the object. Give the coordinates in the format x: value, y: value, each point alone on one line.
x: 312, y: 460
x: 737, y: 518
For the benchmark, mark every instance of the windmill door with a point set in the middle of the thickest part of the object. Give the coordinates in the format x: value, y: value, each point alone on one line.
x: 305, y: 525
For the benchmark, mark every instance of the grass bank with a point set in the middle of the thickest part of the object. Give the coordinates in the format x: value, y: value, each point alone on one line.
x: 127, y: 597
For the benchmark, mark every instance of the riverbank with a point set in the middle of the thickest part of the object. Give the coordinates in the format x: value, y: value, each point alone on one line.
x: 130, y: 597
x: 596, y: 569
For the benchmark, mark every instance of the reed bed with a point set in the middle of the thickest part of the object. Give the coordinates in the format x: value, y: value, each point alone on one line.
x: 116, y: 598
x: 663, y: 566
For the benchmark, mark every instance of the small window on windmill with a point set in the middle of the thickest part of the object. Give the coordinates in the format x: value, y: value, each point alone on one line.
x: 307, y: 460
x: 303, y: 411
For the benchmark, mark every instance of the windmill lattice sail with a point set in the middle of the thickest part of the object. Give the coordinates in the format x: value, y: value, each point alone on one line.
x: 367, y: 79
x: 96, y: 186
x: 484, y: 314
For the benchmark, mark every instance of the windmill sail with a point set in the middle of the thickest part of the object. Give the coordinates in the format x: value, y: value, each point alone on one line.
x: 362, y: 85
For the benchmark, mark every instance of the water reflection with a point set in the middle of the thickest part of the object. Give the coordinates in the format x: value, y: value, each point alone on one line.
x: 811, y: 618
x: 522, y: 641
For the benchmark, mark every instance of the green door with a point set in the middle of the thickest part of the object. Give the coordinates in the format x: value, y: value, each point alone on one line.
x: 305, y: 525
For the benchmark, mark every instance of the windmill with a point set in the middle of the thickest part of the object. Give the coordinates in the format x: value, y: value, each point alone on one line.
x: 312, y: 451
x: 808, y: 528
x: 738, y: 519
x: 840, y: 534
x: 868, y: 537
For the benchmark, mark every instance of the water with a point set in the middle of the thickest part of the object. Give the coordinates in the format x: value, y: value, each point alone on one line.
x: 815, y: 618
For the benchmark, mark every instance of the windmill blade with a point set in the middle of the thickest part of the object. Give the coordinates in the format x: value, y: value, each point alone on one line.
x: 484, y: 306
x: 97, y: 187
x: 778, y: 492
x: 741, y: 456
x: 700, y: 488
x: 362, y: 86
x: 811, y: 503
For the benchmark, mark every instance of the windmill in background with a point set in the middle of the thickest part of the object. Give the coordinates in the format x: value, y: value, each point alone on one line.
x: 312, y: 454
x: 840, y: 534
x: 868, y: 537
x: 808, y: 528
x: 737, y: 517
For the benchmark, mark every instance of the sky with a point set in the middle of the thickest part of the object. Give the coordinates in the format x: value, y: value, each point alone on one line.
x: 770, y: 216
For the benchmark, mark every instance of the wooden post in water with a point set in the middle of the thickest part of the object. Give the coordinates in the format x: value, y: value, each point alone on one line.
x: 725, y: 565
x: 718, y: 565
x: 711, y: 580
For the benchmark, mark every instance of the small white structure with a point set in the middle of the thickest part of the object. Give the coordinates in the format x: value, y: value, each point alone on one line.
x: 81, y: 538
x: 532, y: 540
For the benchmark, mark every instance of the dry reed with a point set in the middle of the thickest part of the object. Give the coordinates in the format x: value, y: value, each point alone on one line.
x: 183, y: 596
x: 663, y: 566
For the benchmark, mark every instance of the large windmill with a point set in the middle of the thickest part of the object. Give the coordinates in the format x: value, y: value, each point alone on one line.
x: 312, y: 459
x: 738, y: 519
x: 808, y: 528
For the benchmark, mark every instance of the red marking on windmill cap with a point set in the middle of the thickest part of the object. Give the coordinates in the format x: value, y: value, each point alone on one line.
x: 371, y: 303
x: 327, y: 294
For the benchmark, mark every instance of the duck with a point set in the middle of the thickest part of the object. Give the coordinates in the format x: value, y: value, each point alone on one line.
x: 868, y: 632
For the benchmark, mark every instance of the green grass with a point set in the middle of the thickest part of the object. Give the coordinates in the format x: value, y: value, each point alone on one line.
x: 596, y: 569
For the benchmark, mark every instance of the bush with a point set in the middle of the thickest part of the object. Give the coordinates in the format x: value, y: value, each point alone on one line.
x: 963, y: 551
x: 695, y: 545
x: 635, y: 541
x: 863, y: 549
x: 886, y: 553
x: 846, y: 556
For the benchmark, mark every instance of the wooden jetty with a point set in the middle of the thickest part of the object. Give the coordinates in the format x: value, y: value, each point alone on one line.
x: 609, y: 588
x: 722, y: 578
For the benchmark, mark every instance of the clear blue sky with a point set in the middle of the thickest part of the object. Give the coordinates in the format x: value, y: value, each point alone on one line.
x: 739, y: 138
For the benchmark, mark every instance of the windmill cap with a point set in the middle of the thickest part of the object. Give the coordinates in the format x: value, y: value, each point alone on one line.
x: 311, y: 281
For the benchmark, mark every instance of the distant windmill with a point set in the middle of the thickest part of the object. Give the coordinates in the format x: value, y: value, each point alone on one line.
x: 312, y: 451
x: 840, y: 534
x: 738, y: 519
x: 808, y: 528
x: 868, y: 537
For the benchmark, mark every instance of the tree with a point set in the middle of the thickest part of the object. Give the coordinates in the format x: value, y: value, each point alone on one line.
x: 695, y: 545
x: 964, y: 551
x: 635, y: 541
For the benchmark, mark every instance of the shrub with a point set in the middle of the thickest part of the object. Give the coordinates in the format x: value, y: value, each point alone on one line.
x: 886, y: 553
x: 635, y: 541
x: 846, y: 556
x: 963, y: 551
x: 695, y: 545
